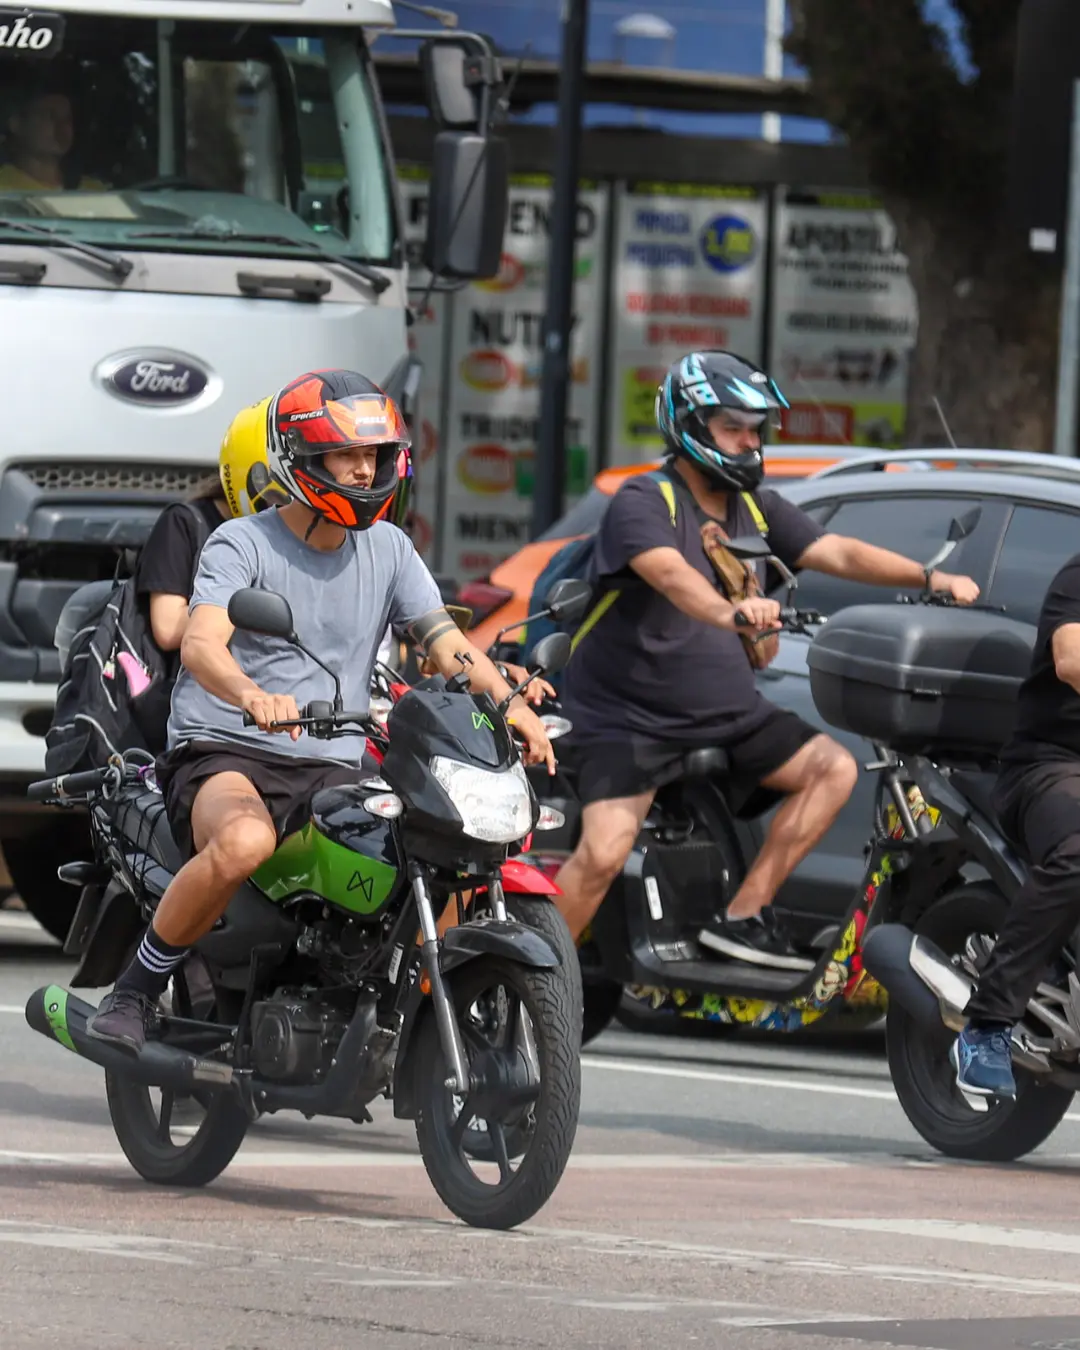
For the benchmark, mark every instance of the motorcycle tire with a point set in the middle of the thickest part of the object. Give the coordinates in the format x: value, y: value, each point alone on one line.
x: 552, y: 1001
x: 924, y: 1078
x: 149, y: 1146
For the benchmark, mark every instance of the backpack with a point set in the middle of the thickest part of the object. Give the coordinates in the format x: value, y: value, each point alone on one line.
x: 115, y: 684
x: 575, y: 560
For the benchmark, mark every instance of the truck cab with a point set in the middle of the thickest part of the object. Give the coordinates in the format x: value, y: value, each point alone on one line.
x: 197, y: 202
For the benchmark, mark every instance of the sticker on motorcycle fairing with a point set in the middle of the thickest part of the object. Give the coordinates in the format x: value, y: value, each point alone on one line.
x: 30, y: 32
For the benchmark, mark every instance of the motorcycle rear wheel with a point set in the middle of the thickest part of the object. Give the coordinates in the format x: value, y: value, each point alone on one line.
x: 923, y: 1077
x: 148, y: 1136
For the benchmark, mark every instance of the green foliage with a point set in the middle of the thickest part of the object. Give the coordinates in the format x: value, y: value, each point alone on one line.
x: 882, y: 75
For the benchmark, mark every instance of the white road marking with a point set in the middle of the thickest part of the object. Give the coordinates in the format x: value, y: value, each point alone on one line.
x: 776, y: 1081
x: 947, y: 1230
x: 14, y: 1008
x: 616, y: 1244
x: 351, y: 1158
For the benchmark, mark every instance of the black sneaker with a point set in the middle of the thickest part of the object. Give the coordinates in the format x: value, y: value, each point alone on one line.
x: 760, y: 941
x: 124, y: 1017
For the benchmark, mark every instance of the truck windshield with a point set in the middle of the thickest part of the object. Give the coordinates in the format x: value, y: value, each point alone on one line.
x: 198, y: 137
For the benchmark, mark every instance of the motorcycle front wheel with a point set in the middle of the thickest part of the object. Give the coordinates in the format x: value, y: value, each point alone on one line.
x: 522, y: 1032
x: 924, y: 1078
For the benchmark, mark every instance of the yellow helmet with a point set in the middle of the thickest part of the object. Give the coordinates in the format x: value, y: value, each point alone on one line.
x: 243, y: 463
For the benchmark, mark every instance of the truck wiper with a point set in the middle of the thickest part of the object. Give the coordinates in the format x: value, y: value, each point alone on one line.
x: 116, y: 263
x: 371, y: 275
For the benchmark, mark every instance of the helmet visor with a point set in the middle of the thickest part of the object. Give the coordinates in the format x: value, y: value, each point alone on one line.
x: 738, y: 419
x: 341, y: 424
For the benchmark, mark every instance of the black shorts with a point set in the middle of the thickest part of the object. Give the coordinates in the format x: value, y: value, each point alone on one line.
x: 285, y: 784
x: 609, y: 769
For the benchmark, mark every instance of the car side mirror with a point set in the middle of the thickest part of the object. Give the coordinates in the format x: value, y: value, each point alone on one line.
x: 567, y: 600
x: 550, y: 654
x: 256, y: 611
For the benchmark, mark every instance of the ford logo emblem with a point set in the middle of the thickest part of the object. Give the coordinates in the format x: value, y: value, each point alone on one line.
x: 158, y: 378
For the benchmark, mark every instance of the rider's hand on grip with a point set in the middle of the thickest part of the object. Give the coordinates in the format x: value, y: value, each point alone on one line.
x: 266, y: 709
x: 758, y: 613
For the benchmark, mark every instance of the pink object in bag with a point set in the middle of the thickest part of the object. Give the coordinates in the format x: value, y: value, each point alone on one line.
x: 137, y: 678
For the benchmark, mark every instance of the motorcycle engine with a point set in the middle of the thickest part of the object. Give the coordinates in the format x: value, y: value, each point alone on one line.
x: 294, y: 1036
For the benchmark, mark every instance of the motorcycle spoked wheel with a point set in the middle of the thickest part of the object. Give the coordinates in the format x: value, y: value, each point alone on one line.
x: 924, y: 1078
x: 545, y: 918
x: 492, y: 998
x: 187, y: 1152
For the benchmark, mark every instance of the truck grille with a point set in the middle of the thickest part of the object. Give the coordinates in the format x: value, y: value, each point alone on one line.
x: 156, y: 479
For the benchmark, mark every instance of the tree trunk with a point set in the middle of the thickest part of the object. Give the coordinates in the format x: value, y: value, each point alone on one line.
x: 988, y: 336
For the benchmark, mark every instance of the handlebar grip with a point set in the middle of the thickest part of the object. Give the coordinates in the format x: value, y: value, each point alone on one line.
x: 741, y: 621
x: 67, y: 785
x: 249, y: 721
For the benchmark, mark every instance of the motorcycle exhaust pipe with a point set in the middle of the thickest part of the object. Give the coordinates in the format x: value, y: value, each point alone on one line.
x: 61, y: 1016
x: 918, y: 975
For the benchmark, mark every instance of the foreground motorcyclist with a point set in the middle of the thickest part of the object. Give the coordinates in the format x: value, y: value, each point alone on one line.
x: 1037, y: 800
x: 337, y: 445
x: 664, y: 669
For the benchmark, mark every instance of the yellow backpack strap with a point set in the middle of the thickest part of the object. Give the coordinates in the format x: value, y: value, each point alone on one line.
x: 608, y: 599
x: 668, y: 490
x: 594, y: 616
x: 756, y: 511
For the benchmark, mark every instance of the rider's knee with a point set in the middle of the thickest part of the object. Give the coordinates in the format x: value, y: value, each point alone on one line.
x: 241, y: 847
x: 604, y: 852
x: 1060, y: 869
x: 837, y: 767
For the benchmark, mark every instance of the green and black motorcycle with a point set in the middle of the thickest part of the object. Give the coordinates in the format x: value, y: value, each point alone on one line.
x: 312, y: 992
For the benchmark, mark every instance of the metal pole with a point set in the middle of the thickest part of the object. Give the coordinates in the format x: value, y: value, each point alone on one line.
x: 549, y: 472
x: 1069, y: 350
x: 775, y: 15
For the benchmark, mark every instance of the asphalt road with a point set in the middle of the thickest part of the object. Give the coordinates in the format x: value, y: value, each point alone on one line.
x: 751, y: 1194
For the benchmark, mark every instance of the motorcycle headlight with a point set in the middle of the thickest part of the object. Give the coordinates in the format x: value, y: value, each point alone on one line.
x: 495, y: 806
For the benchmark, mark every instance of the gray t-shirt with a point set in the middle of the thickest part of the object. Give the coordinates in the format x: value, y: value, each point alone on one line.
x: 341, y: 604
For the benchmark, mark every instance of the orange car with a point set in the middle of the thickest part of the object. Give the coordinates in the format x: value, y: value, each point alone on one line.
x: 502, y: 598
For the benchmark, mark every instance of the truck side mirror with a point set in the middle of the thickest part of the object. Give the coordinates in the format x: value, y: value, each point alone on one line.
x: 468, y: 200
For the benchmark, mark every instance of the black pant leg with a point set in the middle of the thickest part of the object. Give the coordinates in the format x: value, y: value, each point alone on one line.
x: 1040, y: 808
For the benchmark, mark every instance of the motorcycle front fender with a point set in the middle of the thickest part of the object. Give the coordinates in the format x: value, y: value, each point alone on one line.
x: 513, y: 941
x: 521, y: 878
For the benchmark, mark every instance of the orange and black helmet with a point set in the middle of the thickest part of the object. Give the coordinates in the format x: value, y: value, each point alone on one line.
x: 338, y: 410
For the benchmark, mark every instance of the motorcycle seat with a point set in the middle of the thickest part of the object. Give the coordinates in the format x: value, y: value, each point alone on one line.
x: 977, y: 789
x: 708, y: 762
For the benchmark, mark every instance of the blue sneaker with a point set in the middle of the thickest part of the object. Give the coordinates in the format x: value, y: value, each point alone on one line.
x: 983, y: 1063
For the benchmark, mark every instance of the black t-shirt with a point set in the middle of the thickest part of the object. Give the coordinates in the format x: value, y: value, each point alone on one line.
x: 170, y: 558
x: 167, y: 563
x: 1048, y: 710
x: 647, y: 670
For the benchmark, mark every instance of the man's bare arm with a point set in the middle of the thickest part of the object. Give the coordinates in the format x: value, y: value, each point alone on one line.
x: 667, y: 571
x: 205, y: 653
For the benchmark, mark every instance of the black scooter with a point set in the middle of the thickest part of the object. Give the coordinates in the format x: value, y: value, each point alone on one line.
x: 641, y: 950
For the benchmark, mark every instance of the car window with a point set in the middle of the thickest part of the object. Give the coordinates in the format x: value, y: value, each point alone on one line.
x: 915, y: 526
x: 1036, y: 544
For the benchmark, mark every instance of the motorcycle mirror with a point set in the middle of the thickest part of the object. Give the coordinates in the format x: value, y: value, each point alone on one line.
x: 256, y: 611
x: 960, y: 528
x: 568, y: 600
x: 550, y: 654
x: 751, y: 548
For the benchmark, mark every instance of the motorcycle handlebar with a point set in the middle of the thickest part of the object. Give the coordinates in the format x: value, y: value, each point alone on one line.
x: 791, y: 620
x: 69, y: 785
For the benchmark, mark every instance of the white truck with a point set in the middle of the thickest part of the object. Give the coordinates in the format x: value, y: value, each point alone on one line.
x: 198, y: 202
